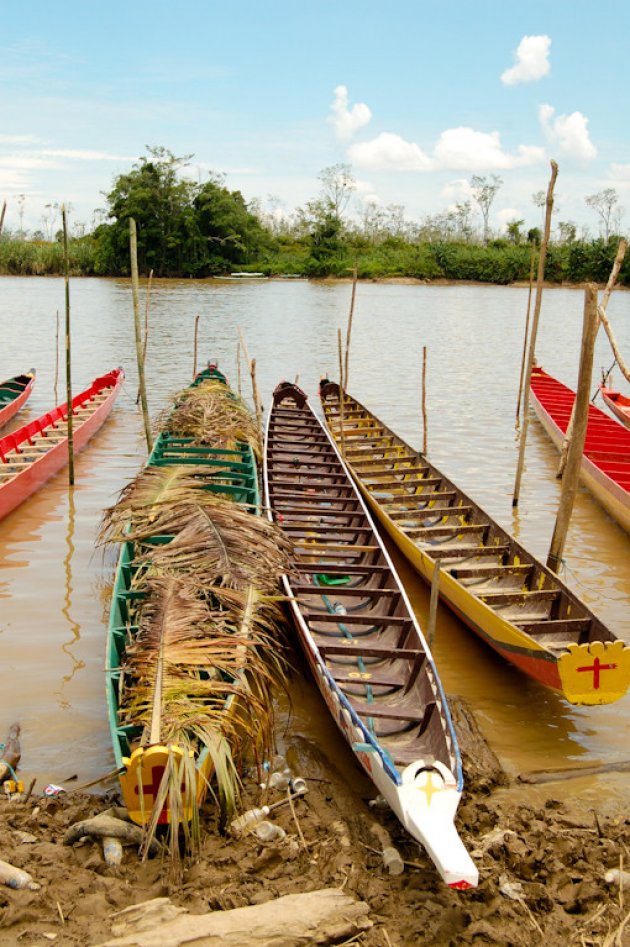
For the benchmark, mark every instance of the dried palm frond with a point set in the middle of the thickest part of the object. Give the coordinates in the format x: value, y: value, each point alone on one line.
x: 200, y: 678
x: 211, y: 413
x: 217, y: 544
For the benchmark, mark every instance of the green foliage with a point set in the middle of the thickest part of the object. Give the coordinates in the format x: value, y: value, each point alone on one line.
x: 43, y: 258
x: 184, y: 228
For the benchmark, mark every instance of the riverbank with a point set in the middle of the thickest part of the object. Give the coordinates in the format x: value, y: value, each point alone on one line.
x: 542, y: 865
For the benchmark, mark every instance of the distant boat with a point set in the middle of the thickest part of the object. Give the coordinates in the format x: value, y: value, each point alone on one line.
x: 619, y: 404
x: 605, y: 466
x: 243, y: 277
x: 35, y: 452
x: 13, y: 393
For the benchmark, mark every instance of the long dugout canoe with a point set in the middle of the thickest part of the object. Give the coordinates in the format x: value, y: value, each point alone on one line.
x: 605, y: 468
x: 14, y: 392
x: 32, y: 454
x: 360, y: 637
x: 495, y: 586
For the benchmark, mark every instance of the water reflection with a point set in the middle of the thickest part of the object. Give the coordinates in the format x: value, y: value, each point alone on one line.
x: 75, y: 628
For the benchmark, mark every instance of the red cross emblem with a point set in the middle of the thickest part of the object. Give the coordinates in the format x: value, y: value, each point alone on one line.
x: 596, y: 667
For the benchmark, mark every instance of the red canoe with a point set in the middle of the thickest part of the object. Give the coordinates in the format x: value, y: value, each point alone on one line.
x: 13, y: 394
x: 606, y: 461
x: 618, y: 404
x: 33, y: 453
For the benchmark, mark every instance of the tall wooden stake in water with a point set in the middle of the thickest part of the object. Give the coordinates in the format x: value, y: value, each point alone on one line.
x: 610, y: 285
x: 341, y: 393
x: 135, y: 292
x: 529, y: 303
x: 532, y: 341
x: 195, y: 346
x: 257, y: 404
x: 349, y: 330
x: 424, y: 399
x: 2, y: 213
x: 145, y: 340
x: 66, y: 279
x: 238, y: 368
x: 576, y: 447
x: 56, y: 357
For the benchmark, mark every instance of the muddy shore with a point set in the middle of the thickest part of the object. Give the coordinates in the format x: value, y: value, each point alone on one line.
x: 542, y: 866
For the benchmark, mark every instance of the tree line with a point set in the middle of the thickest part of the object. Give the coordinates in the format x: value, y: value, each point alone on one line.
x: 201, y: 229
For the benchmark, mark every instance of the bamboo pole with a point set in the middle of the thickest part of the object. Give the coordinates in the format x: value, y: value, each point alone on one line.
x: 2, y: 213
x: 349, y: 329
x: 66, y: 279
x: 238, y: 368
x: 529, y: 304
x: 56, y: 358
x: 257, y: 404
x: 433, y: 603
x: 532, y: 342
x: 601, y: 319
x: 133, y: 247
x: 145, y: 340
x: 424, y: 399
x: 195, y: 347
x: 576, y: 447
x: 341, y: 419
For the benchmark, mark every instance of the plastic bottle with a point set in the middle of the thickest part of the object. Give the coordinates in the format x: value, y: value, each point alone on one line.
x: 16, y: 878
x: 392, y: 861
x: 268, y: 831
x: 340, y: 609
x: 249, y: 819
x: 112, y: 851
x: 615, y: 876
x: 279, y: 780
x: 298, y: 786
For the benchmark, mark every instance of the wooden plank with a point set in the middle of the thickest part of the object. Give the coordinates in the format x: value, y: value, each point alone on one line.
x: 474, y: 572
x: 462, y: 552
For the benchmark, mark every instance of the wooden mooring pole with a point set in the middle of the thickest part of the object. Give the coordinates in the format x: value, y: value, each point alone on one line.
x: 529, y: 305
x: 135, y: 293
x: 195, y: 346
x: 424, y: 399
x: 66, y: 279
x: 2, y: 213
x: 349, y: 330
x: 532, y: 342
x: 341, y: 390
x: 574, y: 457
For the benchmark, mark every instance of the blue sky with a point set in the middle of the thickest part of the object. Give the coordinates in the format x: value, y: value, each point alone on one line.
x: 416, y: 96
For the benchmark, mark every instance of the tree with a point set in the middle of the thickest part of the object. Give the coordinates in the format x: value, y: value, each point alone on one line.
x: 338, y: 183
x: 567, y: 230
x: 185, y: 228
x: 484, y: 191
x: 514, y: 230
x: 604, y: 203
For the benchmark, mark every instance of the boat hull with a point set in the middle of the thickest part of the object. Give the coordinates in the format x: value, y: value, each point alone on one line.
x: 23, y: 382
x: 618, y: 404
x: 613, y: 492
x: 27, y: 481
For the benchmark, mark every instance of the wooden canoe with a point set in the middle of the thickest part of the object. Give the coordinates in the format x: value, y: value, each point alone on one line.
x: 605, y: 468
x: 619, y: 404
x: 32, y: 454
x: 511, y: 600
x: 13, y: 393
x: 228, y: 473
x: 360, y: 636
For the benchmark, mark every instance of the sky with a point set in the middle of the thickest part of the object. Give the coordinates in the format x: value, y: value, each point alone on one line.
x: 417, y: 97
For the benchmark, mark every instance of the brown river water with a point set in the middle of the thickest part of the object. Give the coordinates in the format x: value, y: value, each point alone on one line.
x: 55, y: 584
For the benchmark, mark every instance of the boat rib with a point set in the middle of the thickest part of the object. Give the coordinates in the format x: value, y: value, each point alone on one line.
x: 513, y: 602
x: 365, y: 648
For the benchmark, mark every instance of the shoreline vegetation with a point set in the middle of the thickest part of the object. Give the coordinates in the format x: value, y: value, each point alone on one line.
x: 188, y: 229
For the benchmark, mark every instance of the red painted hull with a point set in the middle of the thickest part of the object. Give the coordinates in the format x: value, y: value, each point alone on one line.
x: 14, y: 406
x: 618, y: 404
x: 605, y: 468
x: 18, y: 488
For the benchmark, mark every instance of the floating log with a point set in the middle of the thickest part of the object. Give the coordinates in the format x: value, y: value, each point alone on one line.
x: 573, y: 772
x: 327, y: 916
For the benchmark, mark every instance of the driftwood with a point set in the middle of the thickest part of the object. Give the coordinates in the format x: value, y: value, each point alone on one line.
x: 483, y: 770
x: 327, y: 916
x: 11, y: 753
x: 107, y: 825
x: 573, y: 772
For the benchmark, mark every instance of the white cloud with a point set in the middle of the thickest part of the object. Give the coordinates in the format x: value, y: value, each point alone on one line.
x: 18, y: 140
x: 459, y: 190
x: 389, y: 152
x: 506, y: 215
x: 620, y: 172
x: 568, y: 134
x: 346, y: 121
x: 468, y: 150
x: 532, y: 61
